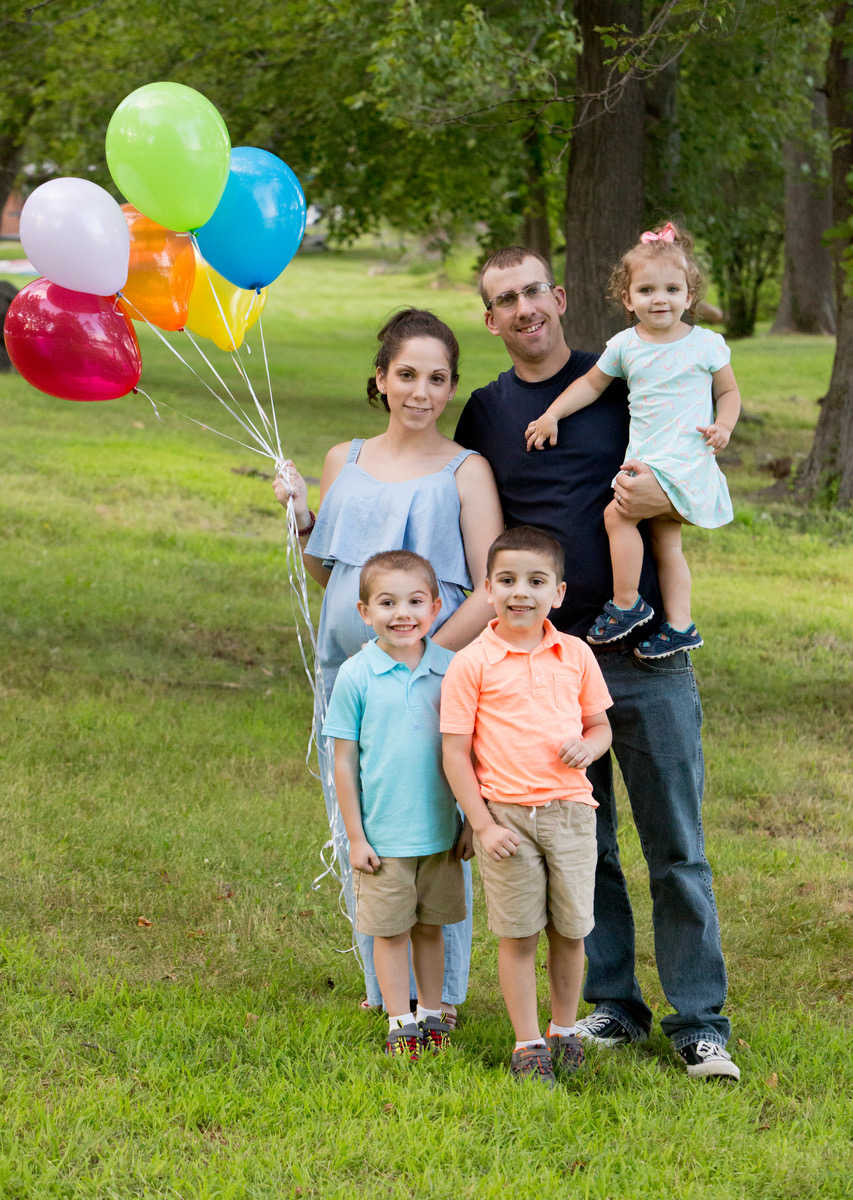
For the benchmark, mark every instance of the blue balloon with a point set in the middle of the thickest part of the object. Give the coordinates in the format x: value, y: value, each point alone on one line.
x: 259, y: 222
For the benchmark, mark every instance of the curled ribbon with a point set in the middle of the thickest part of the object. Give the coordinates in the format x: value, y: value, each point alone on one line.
x: 667, y: 234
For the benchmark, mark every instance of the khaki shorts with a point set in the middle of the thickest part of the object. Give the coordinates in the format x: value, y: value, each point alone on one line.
x: 551, y: 876
x: 429, y: 889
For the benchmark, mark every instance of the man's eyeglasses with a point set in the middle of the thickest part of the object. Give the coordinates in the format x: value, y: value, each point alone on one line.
x: 510, y: 299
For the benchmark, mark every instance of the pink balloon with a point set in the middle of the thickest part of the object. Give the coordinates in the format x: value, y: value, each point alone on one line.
x: 74, y: 345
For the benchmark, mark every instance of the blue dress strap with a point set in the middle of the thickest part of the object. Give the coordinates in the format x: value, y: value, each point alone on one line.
x: 455, y: 463
x: 355, y: 449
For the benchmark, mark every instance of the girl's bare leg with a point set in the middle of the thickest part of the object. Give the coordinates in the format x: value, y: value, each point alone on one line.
x: 428, y: 962
x: 673, y: 571
x: 626, y: 555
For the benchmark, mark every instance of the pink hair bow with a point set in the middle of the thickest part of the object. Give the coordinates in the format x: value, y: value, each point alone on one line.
x: 667, y: 234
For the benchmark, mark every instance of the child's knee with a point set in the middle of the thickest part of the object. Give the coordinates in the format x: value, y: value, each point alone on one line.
x: 614, y: 518
x: 426, y: 933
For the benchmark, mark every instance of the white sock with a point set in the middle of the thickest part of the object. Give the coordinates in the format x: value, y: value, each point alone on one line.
x: 537, y: 1041
x: 423, y: 1013
x: 555, y: 1030
x: 399, y: 1021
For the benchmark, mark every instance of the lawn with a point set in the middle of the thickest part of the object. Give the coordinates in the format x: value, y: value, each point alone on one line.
x: 181, y: 1018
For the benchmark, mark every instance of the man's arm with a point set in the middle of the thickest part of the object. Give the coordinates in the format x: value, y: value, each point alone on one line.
x: 456, y: 754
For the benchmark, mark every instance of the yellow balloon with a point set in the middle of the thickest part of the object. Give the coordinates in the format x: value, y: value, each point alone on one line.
x: 240, y: 309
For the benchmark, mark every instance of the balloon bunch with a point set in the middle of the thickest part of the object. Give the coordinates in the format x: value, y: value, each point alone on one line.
x: 206, y: 230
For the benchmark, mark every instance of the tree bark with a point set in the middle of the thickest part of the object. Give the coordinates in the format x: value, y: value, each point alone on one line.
x: 536, y: 230
x: 604, y: 180
x: 8, y: 292
x: 807, y: 303
x: 828, y: 469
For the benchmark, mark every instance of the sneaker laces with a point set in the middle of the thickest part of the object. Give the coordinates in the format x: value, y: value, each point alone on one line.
x: 705, y: 1049
x: 595, y: 1025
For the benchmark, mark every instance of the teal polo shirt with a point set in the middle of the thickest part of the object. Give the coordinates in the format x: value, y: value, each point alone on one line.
x: 407, y: 807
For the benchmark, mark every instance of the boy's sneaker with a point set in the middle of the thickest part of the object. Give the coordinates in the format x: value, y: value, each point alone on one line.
x: 705, y: 1059
x: 533, y: 1062
x: 566, y: 1052
x: 669, y: 641
x: 404, y: 1042
x: 603, y: 1030
x: 614, y: 623
x: 435, y: 1034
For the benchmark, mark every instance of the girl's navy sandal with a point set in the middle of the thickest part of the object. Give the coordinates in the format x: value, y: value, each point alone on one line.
x: 614, y: 623
x: 669, y: 641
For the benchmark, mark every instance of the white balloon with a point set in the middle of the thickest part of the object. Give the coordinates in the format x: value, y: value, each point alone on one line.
x: 75, y: 234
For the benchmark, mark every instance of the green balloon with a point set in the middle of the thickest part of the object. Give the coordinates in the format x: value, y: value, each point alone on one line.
x: 169, y: 154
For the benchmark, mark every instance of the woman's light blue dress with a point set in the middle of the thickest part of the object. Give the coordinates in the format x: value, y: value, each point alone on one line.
x: 669, y: 394
x: 361, y: 516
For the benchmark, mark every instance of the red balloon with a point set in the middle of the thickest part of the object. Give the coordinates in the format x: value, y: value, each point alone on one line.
x: 72, y: 344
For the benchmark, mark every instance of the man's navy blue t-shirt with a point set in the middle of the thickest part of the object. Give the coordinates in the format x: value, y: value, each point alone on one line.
x: 562, y: 489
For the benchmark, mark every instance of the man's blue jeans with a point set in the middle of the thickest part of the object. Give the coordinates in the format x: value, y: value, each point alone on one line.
x: 656, y: 719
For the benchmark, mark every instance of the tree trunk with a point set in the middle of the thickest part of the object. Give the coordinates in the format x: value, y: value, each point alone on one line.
x: 828, y: 470
x: 807, y: 303
x: 8, y: 292
x: 536, y: 229
x: 604, y: 182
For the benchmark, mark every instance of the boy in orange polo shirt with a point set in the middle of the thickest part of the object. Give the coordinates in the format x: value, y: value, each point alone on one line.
x: 522, y: 716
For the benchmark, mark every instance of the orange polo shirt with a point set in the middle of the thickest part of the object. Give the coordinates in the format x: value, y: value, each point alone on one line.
x: 520, y: 706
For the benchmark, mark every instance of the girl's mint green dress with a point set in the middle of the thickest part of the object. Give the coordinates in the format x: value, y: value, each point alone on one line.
x: 669, y: 394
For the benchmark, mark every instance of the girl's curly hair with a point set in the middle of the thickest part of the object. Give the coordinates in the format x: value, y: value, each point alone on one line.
x: 678, y: 247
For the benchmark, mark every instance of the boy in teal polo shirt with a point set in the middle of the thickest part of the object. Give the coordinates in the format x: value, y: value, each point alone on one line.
x: 399, y: 812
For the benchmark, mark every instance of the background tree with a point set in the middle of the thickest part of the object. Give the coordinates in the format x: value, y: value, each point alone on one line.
x: 744, y: 90
x: 604, y: 180
x: 807, y: 302
x: 828, y: 469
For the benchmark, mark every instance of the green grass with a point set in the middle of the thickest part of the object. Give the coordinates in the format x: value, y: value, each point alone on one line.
x: 155, y: 718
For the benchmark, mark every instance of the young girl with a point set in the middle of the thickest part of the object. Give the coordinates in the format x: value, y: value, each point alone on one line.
x: 673, y: 370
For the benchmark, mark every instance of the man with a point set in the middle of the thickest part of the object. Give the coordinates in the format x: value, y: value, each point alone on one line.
x: 656, y: 717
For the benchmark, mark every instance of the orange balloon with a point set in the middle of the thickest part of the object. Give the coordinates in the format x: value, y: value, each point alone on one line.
x: 161, y: 273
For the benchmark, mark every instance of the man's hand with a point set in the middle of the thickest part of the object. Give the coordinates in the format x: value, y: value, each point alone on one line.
x: 499, y: 842
x: 540, y: 431
x: 363, y: 857
x: 716, y: 436
x: 464, y: 848
x: 638, y: 494
x: 576, y: 753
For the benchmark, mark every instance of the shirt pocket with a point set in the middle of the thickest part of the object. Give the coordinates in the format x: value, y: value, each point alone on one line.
x: 563, y: 692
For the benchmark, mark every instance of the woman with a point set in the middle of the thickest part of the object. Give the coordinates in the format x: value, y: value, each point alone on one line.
x: 409, y: 488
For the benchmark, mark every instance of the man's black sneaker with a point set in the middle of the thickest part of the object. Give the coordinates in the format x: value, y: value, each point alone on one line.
x: 603, y: 1030
x: 705, y: 1059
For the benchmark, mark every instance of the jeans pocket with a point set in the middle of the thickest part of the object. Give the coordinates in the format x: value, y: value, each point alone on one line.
x: 673, y: 664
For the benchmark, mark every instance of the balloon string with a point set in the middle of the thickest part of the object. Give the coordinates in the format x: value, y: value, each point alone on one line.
x: 201, y: 424
x: 240, y: 415
x: 267, y: 450
x: 235, y: 353
x: 334, y: 854
x: 269, y: 384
